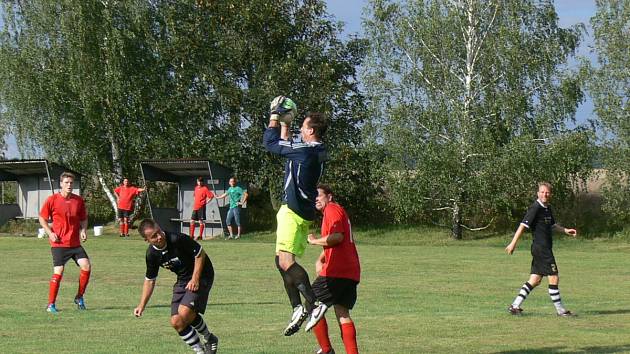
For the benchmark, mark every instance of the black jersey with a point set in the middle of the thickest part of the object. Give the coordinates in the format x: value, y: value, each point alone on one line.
x: 178, y: 256
x: 539, y: 219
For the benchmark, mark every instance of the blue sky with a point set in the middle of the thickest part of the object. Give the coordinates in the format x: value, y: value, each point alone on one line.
x: 350, y: 12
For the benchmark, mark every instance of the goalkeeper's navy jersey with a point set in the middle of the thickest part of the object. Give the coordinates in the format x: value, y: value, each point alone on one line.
x: 178, y: 256
x: 304, y: 167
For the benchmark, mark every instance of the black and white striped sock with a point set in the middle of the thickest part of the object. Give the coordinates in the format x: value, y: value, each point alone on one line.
x: 200, y: 326
x: 190, y: 337
x: 522, y: 294
x: 554, y: 293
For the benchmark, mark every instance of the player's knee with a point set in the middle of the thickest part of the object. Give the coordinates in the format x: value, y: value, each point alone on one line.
x: 177, y: 322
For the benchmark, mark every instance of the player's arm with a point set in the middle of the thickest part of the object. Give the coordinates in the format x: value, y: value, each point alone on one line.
x: 51, y: 235
x: 319, y: 264
x: 200, y: 260
x: 517, y: 235
x: 222, y: 196
x: 147, y: 291
x: 140, y: 190
x: 83, y: 232
x: 560, y: 228
x: 245, y: 196
x: 330, y: 241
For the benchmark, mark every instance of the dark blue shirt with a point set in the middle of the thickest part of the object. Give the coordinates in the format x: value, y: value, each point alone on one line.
x: 302, y: 171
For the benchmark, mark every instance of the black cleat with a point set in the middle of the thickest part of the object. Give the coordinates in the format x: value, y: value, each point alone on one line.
x: 320, y: 351
x: 566, y: 313
x: 298, y: 317
x: 516, y: 311
x: 212, y: 345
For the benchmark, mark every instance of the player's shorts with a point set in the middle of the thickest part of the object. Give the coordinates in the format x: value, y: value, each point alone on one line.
x: 197, y: 300
x: 336, y: 291
x: 199, y: 214
x: 234, y: 216
x: 122, y: 213
x: 292, y: 231
x: 61, y: 255
x: 543, y: 261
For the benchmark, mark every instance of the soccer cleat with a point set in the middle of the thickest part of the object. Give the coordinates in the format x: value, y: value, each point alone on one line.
x: 516, y: 311
x: 237, y: 237
x: 122, y: 235
x: 298, y: 317
x: 212, y: 344
x: 320, y: 351
x: 317, y: 314
x: 52, y: 309
x: 80, y: 303
x: 566, y: 313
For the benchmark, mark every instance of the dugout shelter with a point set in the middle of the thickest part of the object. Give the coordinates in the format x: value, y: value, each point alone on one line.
x: 36, y: 180
x: 183, y: 174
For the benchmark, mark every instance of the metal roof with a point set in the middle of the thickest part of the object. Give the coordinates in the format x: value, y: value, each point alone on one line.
x: 31, y: 167
x: 183, y: 167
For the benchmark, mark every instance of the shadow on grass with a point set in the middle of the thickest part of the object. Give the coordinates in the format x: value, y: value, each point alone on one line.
x: 550, y: 350
x: 608, y: 312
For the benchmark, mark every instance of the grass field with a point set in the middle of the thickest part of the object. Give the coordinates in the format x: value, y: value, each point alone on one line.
x: 427, y: 295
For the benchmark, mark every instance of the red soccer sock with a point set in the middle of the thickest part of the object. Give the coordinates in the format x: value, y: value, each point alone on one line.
x: 349, y: 336
x: 192, y: 230
x: 201, y: 228
x: 122, y: 228
x: 84, y: 279
x: 321, y: 333
x: 126, y: 228
x: 53, y: 290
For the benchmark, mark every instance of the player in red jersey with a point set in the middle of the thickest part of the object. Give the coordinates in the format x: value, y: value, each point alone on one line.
x: 339, y: 272
x: 126, y: 193
x: 69, y: 228
x: 202, y: 196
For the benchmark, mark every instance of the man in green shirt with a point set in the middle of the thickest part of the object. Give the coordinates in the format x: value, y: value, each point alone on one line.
x: 238, y: 196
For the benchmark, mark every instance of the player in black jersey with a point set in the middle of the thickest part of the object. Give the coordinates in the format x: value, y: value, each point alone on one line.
x: 185, y: 257
x: 540, y: 220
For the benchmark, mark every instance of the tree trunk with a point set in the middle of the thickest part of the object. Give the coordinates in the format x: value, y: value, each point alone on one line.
x: 456, y: 231
x: 108, y: 192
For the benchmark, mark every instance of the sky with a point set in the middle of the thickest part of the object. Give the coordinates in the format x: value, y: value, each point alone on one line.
x: 350, y: 13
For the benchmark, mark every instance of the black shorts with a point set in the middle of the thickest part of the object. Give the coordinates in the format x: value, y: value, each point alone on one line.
x: 122, y: 213
x: 197, y: 300
x: 199, y: 214
x: 336, y: 291
x: 543, y: 261
x: 61, y: 255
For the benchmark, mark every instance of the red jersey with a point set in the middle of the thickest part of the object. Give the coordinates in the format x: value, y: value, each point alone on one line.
x: 125, y: 196
x: 201, y: 194
x: 66, y: 215
x: 342, y: 260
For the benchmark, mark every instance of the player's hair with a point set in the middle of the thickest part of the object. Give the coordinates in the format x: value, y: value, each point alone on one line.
x: 326, y: 188
x: 145, y: 224
x: 545, y: 184
x: 200, y: 179
x: 317, y: 123
x: 67, y: 174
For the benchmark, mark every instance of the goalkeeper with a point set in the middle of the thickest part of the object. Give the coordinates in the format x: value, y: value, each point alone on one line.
x: 303, y: 168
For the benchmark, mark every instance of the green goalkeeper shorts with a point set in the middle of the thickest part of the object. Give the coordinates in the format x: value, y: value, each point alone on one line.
x: 292, y: 232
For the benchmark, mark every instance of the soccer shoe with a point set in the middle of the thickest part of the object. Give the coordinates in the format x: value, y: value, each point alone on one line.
x: 122, y: 235
x: 320, y: 351
x: 516, y: 311
x: 80, y: 303
x: 237, y: 237
x: 566, y: 313
x: 298, y: 317
x: 52, y: 309
x: 316, y: 315
x: 212, y: 344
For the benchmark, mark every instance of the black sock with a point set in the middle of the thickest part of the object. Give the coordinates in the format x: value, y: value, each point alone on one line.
x: 190, y: 337
x: 292, y: 291
x: 300, y: 279
x: 200, y: 326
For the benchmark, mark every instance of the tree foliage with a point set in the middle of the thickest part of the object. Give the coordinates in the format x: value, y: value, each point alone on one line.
x: 609, y: 84
x: 471, y: 104
x: 100, y: 84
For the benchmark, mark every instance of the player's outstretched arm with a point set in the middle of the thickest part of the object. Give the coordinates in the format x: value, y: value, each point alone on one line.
x: 147, y: 291
x: 517, y: 235
x: 567, y: 231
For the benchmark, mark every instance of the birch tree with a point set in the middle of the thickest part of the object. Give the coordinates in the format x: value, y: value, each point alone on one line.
x: 471, y: 102
x: 609, y: 84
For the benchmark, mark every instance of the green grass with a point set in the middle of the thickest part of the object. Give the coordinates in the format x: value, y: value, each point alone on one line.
x: 426, y: 295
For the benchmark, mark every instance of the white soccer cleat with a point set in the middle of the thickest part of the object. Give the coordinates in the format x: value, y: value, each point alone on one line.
x: 316, y: 315
x: 298, y: 317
